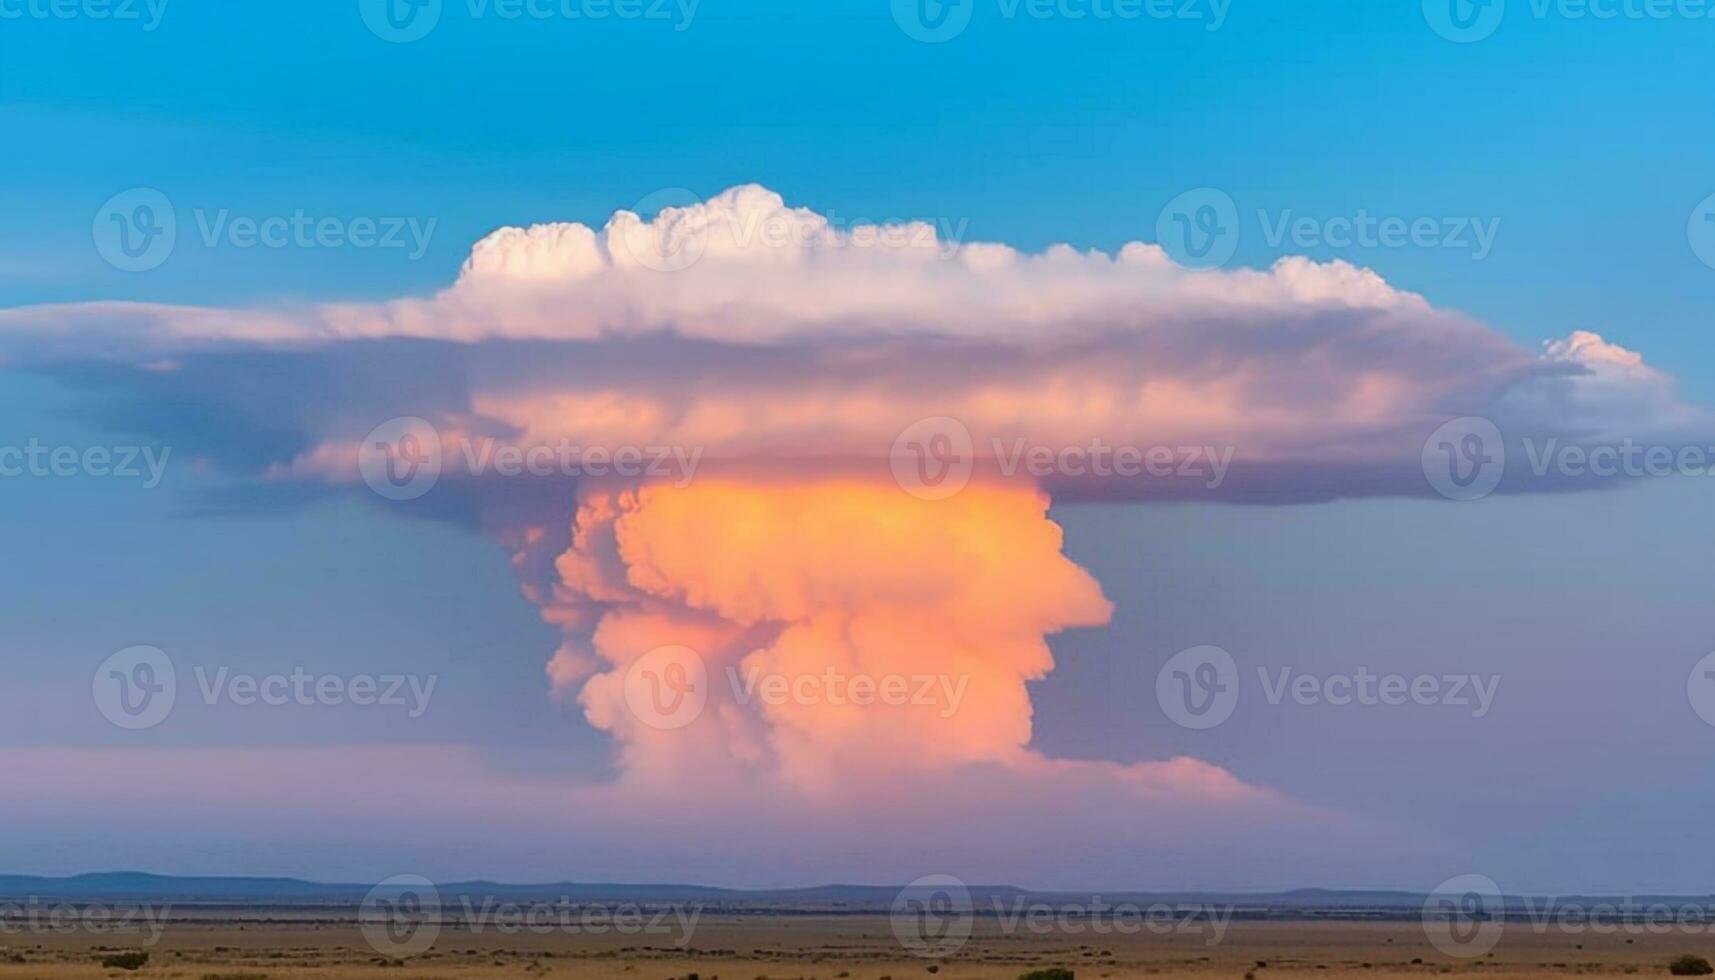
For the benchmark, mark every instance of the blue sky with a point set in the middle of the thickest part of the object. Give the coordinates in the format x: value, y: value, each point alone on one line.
x: 1583, y: 141
x: 1579, y: 135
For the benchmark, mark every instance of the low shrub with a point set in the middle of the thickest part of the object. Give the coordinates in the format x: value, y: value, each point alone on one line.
x: 125, y: 961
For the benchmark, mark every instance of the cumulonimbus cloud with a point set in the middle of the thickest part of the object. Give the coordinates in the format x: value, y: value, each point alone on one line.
x: 792, y: 355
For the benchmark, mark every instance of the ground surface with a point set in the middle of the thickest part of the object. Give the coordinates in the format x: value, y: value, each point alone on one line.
x: 784, y: 947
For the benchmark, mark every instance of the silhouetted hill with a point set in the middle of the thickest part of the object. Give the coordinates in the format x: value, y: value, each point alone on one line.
x: 132, y: 886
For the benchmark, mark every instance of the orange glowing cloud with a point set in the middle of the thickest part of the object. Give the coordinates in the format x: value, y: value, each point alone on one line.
x: 817, y: 587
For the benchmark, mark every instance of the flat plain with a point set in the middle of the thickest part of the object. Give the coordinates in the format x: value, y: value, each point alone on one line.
x: 832, y: 947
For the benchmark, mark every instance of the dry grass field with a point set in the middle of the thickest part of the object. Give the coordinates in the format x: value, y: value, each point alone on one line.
x: 820, y: 947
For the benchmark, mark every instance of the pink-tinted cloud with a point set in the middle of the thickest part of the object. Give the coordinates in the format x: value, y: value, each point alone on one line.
x: 442, y: 810
x: 754, y: 331
x: 793, y: 358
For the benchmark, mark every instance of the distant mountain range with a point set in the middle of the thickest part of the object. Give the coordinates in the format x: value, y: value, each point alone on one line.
x: 130, y: 886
